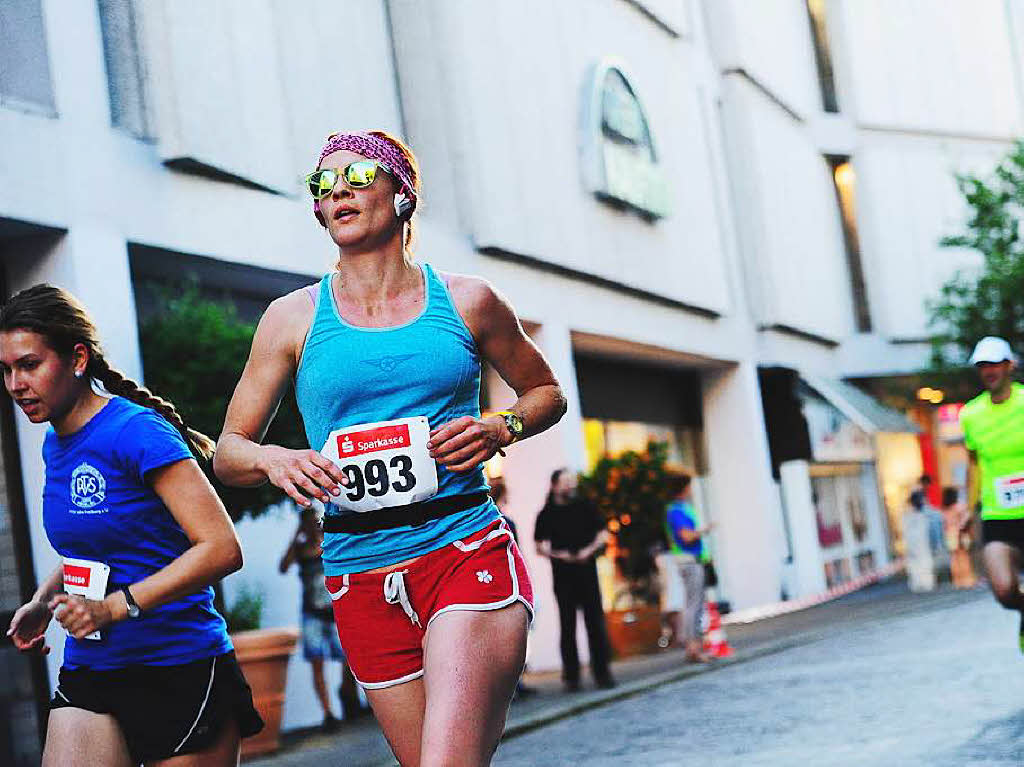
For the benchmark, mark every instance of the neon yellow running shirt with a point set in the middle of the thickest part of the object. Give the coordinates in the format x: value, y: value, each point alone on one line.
x: 996, y: 434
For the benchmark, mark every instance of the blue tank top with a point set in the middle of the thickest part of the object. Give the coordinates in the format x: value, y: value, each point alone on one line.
x: 351, y: 375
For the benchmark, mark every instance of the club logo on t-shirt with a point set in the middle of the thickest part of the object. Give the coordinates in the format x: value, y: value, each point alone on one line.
x: 88, y: 487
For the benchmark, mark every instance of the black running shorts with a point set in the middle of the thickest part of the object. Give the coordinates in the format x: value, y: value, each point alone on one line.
x: 1009, y: 531
x: 165, y: 711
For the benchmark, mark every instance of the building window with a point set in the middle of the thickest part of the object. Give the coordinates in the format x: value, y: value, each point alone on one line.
x: 822, y: 54
x: 24, y: 63
x: 125, y: 71
x: 845, y: 181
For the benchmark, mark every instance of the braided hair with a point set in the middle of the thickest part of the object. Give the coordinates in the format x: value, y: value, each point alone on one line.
x: 63, y: 322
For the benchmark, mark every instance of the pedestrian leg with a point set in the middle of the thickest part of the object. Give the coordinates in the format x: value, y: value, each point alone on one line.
x: 566, y: 598
x: 597, y: 631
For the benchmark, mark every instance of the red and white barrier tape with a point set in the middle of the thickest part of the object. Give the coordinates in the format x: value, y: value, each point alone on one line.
x: 752, y: 614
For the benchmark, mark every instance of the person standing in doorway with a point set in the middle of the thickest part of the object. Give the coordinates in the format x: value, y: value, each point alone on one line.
x: 686, y: 547
x: 957, y: 541
x: 570, y: 532
x: 917, y: 538
x: 319, y: 635
x: 993, y: 426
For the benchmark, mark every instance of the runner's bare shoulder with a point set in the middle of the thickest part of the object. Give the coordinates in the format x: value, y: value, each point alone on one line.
x: 286, y: 321
x: 478, y: 302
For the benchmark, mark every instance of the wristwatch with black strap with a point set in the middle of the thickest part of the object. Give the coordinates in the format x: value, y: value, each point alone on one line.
x: 134, y: 611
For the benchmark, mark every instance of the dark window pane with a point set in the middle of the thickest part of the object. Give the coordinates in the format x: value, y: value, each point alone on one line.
x: 822, y: 54
x: 125, y: 77
x: 24, y: 65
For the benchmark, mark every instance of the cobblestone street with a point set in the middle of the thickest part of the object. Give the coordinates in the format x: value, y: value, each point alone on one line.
x: 938, y: 685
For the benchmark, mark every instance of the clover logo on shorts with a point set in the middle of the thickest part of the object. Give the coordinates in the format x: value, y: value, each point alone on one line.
x: 88, y: 487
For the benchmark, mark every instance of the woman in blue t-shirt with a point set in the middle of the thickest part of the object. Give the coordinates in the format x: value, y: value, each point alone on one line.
x: 149, y: 674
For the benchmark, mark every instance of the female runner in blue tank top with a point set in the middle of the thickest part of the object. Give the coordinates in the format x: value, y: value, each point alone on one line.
x: 148, y: 674
x: 431, y: 597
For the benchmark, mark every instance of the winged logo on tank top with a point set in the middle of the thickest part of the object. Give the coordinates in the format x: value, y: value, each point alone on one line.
x: 387, y: 365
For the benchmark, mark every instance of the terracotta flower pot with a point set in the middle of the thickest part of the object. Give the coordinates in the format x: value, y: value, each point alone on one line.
x: 263, y: 655
x: 634, y: 631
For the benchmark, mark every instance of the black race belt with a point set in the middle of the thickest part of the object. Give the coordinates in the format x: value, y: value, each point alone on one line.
x: 400, y: 516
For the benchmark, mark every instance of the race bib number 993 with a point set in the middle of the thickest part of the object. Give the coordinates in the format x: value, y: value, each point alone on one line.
x: 386, y: 464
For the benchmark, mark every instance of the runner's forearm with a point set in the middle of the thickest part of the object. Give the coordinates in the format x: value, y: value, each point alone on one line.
x: 237, y: 461
x: 539, y: 408
x: 973, y: 486
x: 52, y: 585
x: 203, y: 564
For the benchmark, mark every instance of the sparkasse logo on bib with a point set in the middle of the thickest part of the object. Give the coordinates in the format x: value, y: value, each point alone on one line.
x: 369, y: 441
x: 77, y: 576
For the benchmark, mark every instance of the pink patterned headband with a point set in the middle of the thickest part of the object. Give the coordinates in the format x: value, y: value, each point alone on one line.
x: 373, y: 148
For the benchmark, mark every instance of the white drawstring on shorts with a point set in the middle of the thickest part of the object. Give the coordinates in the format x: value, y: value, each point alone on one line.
x: 395, y: 594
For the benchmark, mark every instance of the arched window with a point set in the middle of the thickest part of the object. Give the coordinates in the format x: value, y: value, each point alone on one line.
x: 620, y: 163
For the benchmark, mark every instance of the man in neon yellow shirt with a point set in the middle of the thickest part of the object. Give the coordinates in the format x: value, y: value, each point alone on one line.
x: 993, y: 426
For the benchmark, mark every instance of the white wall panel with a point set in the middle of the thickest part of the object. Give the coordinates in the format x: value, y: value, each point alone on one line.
x: 937, y: 65
x: 771, y: 41
x: 344, y: 82
x: 516, y: 74
x: 217, y: 88
x: 908, y: 202
x: 788, y: 218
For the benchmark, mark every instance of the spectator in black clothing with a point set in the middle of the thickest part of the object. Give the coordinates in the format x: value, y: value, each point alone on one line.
x: 570, y: 532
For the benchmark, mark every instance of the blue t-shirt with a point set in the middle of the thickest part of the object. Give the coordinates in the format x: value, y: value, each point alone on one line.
x: 98, y: 505
x: 680, y: 515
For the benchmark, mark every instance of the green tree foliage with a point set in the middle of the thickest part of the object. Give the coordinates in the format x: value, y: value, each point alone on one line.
x: 988, y: 300
x: 193, y: 352
x: 631, y: 491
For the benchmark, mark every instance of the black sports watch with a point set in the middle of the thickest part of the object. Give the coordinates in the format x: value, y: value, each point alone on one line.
x: 514, y: 424
x: 134, y: 611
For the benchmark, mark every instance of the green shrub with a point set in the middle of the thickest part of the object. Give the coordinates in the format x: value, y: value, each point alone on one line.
x: 246, y: 612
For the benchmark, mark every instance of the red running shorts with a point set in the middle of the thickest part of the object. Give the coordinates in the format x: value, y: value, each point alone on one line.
x: 382, y: 618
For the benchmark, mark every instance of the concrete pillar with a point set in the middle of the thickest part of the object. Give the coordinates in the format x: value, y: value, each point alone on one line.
x: 744, y: 503
x: 874, y: 508
x: 808, y: 573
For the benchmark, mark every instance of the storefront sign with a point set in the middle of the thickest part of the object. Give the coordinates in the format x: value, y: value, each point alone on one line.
x: 834, y: 437
x: 619, y: 161
x: 949, y: 422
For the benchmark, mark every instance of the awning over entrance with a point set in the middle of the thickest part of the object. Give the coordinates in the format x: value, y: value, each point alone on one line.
x: 861, y: 408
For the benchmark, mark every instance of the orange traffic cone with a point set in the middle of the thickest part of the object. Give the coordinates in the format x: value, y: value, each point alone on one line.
x: 715, y: 643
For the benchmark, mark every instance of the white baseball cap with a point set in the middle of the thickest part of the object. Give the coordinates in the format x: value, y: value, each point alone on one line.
x: 992, y: 349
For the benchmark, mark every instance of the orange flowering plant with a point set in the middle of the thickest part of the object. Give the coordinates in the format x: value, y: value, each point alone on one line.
x: 631, y: 491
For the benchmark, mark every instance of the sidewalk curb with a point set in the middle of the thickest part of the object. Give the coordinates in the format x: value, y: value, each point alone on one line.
x: 596, y: 699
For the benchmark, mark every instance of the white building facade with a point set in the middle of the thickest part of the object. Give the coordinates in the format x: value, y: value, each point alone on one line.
x: 678, y: 196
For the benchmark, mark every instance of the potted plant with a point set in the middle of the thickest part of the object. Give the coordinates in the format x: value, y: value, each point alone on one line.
x: 263, y: 655
x: 631, y: 491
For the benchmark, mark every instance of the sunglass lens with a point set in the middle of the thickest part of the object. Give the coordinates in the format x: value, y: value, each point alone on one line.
x: 361, y: 173
x: 321, y: 183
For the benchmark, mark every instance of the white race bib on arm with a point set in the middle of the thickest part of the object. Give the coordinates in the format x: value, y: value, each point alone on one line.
x: 86, y: 579
x: 386, y: 464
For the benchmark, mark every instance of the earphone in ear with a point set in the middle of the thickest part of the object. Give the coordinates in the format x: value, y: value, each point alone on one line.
x: 402, y: 204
